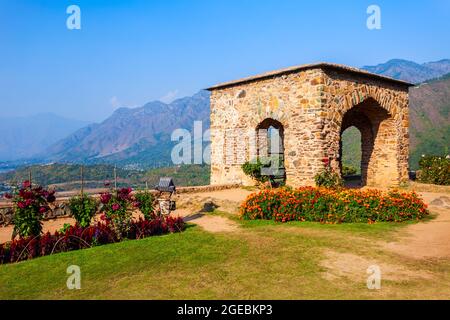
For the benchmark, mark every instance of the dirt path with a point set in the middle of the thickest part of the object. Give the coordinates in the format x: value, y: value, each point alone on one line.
x: 353, y: 266
x: 49, y: 226
x: 194, y: 208
x: 209, y: 223
x: 429, y: 239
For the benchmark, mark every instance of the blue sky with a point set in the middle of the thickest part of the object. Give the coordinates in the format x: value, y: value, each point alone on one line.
x: 130, y: 52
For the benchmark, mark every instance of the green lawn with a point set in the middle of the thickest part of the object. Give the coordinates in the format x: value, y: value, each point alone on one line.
x: 264, y: 260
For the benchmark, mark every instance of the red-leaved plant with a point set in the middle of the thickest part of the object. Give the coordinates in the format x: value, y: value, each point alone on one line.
x: 77, y: 237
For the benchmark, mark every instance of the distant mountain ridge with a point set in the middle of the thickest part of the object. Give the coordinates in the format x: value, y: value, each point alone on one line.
x: 429, y: 113
x: 137, y: 132
x: 411, y: 71
x: 24, y: 137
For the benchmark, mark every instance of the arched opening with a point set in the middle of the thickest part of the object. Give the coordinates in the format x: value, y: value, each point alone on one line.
x: 351, y: 156
x: 378, y: 143
x: 270, y: 150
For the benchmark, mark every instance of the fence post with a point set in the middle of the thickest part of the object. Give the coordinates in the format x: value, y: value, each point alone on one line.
x: 82, y: 180
x: 115, y: 178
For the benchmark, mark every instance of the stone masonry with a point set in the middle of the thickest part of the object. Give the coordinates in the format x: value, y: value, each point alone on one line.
x: 314, y: 104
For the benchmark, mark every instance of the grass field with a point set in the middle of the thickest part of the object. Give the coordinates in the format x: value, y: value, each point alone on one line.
x: 263, y: 260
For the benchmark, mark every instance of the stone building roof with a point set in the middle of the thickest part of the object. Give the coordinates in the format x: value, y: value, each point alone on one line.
x: 319, y: 65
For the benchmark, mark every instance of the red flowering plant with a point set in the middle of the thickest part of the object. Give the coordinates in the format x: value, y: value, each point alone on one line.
x: 30, y: 205
x: 115, y: 205
x: 328, y: 177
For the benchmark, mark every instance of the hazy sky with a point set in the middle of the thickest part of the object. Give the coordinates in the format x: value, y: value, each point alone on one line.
x: 130, y: 52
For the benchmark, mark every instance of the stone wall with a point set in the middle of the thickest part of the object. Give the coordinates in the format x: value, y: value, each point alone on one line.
x: 311, y: 105
x: 60, y: 210
x: 385, y: 105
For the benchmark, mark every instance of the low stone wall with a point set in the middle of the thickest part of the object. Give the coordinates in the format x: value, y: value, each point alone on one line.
x: 209, y: 188
x: 61, y: 208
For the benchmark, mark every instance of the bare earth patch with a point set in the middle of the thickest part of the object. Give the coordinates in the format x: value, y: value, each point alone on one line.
x: 429, y: 239
x: 194, y: 208
x: 355, y: 267
x: 207, y: 222
x: 223, y: 200
x: 48, y: 226
x: 216, y: 224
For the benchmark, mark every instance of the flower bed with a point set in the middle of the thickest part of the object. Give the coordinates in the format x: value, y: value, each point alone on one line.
x: 76, y: 237
x: 333, y: 206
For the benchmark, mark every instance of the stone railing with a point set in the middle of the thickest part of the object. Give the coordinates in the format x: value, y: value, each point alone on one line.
x: 60, y: 208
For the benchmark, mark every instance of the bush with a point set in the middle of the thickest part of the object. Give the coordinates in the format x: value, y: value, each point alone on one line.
x: 30, y: 205
x: 83, y: 209
x: 76, y: 237
x: 435, y: 170
x: 116, y: 206
x: 253, y: 170
x: 328, y: 177
x: 333, y: 206
x: 144, y: 201
x: 348, y: 170
x: 273, y: 167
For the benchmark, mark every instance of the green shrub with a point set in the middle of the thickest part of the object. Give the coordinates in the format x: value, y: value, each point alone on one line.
x: 273, y: 165
x: 253, y: 170
x: 65, y: 227
x: 83, y: 209
x: 144, y: 201
x: 328, y: 177
x: 348, y: 170
x: 333, y: 205
x: 435, y: 170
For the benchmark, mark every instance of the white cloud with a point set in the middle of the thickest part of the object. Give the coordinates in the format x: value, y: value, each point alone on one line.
x: 169, y: 96
x: 115, y: 103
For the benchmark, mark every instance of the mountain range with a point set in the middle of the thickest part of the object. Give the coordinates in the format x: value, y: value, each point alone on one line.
x: 430, y: 119
x: 411, y: 71
x: 24, y: 137
x: 133, y: 135
x: 140, y: 137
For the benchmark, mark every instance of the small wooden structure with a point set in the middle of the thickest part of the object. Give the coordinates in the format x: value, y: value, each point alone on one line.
x: 166, y: 188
